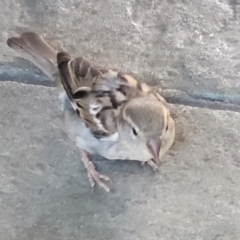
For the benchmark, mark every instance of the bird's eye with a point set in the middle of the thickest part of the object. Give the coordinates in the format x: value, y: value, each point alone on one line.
x: 166, y: 127
x: 134, y: 131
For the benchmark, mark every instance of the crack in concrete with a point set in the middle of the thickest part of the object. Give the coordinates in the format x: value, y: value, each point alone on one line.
x: 174, y: 96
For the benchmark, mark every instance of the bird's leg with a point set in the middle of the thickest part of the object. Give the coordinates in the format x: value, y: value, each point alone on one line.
x: 153, y: 165
x: 93, y: 174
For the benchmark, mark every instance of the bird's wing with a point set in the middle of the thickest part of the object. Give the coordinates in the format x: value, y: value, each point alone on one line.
x: 97, y: 95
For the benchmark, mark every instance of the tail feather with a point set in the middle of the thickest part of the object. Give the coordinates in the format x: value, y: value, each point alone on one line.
x: 40, y: 46
x: 34, y: 48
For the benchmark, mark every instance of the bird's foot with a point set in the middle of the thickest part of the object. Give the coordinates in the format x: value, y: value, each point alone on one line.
x: 152, y: 164
x: 93, y: 175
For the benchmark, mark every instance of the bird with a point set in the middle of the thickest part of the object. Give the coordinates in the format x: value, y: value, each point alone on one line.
x: 106, y: 112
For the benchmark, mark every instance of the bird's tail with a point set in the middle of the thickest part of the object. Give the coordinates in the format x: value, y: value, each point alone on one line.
x: 34, y: 48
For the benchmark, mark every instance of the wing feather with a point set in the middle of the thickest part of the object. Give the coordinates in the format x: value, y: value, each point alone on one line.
x: 97, y: 95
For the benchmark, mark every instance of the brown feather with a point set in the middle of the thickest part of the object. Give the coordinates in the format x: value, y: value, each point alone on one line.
x: 98, y: 95
x: 35, y: 49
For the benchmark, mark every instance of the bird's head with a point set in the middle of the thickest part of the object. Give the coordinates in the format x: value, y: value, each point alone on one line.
x: 144, y: 124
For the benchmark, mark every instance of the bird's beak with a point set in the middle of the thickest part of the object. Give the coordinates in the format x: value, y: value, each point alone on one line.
x: 154, y: 146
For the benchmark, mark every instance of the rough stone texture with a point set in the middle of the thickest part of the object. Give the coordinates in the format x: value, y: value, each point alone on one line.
x: 191, y: 50
x: 192, y: 46
x: 45, y: 193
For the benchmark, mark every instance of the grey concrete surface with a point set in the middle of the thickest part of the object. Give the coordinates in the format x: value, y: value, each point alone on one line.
x: 192, y: 46
x: 45, y: 193
x: 188, y: 48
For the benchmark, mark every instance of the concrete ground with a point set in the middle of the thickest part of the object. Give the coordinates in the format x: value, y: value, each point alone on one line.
x: 188, y: 48
x: 45, y: 193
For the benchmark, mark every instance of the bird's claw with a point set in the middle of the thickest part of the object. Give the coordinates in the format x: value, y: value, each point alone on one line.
x: 152, y: 164
x: 95, y: 177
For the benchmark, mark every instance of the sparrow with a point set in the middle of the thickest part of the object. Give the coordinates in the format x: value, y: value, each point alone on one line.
x: 106, y: 112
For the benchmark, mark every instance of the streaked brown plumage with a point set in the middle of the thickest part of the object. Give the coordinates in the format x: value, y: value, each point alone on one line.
x: 106, y: 112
